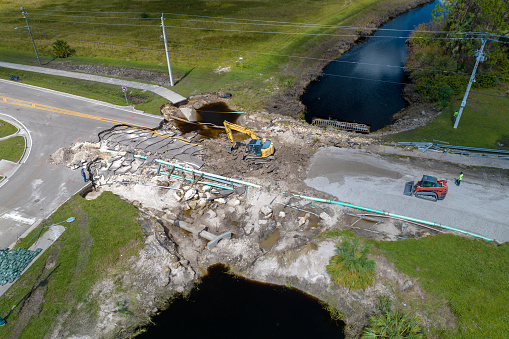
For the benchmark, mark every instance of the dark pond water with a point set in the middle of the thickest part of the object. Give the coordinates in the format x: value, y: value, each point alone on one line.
x: 353, y: 92
x: 224, y: 306
x: 213, y: 113
x: 216, y: 113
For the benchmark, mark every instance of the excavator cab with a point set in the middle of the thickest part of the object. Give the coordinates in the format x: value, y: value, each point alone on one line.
x: 259, y: 147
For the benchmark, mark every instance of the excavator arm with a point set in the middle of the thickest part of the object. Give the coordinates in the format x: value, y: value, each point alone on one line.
x: 228, y: 126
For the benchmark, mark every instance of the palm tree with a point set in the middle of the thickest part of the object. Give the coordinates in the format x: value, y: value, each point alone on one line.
x: 351, y: 266
x: 392, y: 325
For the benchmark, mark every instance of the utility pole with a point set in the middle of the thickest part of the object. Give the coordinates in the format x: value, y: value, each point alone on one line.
x: 166, y: 49
x: 31, y: 36
x: 479, y: 57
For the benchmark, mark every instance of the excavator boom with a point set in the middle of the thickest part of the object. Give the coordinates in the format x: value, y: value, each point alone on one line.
x: 229, y: 127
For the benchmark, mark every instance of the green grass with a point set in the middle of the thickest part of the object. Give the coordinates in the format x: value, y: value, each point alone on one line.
x: 150, y: 102
x: 473, y: 276
x: 89, y: 249
x: 6, y: 129
x: 12, y: 148
x: 197, y: 50
x: 484, y: 122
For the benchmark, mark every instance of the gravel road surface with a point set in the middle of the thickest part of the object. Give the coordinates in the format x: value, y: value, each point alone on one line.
x: 368, y: 179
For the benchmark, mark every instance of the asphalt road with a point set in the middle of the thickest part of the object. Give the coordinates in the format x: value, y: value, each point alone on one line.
x: 369, y: 180
x: 38, y: 188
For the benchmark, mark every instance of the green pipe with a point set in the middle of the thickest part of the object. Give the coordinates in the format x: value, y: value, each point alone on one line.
x: 207, y: 174
x: 194, y: 171
x: 200, y: 182
x: 392, y: 215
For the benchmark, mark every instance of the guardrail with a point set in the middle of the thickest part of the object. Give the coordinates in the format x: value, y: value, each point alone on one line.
x: 463, y: 150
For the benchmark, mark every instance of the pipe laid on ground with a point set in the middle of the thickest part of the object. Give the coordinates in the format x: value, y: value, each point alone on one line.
x: 224, y: 179
x: 391, y: 215
x: 207, y: 174
x: 199, y: 182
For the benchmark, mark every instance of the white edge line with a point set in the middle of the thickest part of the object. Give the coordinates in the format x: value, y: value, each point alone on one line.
x: 97, y: 102
x: 25, y: 155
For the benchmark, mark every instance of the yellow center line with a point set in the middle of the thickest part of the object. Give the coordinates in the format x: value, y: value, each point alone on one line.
x: 29, y: 104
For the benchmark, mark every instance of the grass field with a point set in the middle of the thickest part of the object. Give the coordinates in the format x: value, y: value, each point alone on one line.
x: 473, y: 276
x: 6, y: 129
x: 200, y: 33
x: 60, y: 281
x: 12, y: 148
x: 484, y: 122
x: 208, y: 36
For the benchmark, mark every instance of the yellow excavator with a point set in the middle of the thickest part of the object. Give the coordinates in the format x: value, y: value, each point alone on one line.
x: 256, y: 148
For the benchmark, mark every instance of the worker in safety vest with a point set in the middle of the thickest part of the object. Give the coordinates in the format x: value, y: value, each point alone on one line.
x: 458, y: 181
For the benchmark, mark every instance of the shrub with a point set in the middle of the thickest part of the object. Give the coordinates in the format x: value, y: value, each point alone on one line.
x: 62, y: 49
x: 392, y: 325
x: 351, y: 266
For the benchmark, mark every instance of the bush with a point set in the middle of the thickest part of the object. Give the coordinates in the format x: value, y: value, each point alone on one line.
x: 351, y: 266
x: 392, y: 325
x: 62, y: 49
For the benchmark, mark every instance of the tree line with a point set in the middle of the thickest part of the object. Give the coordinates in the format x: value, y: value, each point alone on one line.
x: 440, y: 60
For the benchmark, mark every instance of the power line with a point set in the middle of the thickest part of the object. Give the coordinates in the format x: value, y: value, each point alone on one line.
x: 284, y: 24
x: 278, y: 55
x: 92, y: 23
x: 281, y: 68
x: 268, y: 23
x: 261, y: 32
x: 276, y: 23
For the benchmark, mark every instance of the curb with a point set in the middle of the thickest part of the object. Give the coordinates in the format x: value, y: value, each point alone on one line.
x: 28, y: 145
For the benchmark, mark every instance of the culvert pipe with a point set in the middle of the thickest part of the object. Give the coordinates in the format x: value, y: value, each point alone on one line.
x: 391, y: 215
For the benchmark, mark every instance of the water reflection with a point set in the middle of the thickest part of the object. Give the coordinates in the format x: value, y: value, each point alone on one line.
x: 354, y: 92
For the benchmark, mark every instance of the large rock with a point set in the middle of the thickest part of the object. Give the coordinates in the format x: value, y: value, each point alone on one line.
x: 266, y: 210
x: 190, y: 194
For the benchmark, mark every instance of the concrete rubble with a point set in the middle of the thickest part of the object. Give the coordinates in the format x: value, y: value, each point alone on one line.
x: 260, y: 233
